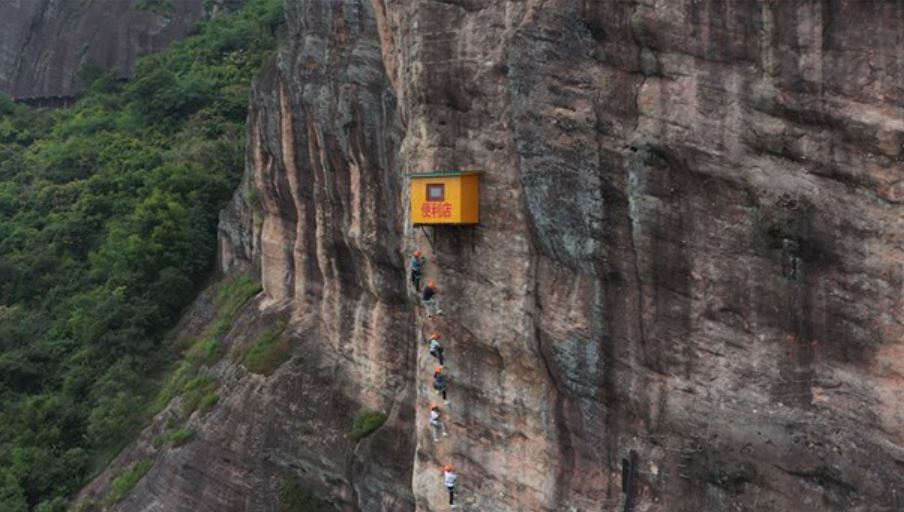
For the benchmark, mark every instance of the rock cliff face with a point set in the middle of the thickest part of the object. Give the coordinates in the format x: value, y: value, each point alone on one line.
x: 44, y: 43
x: 690, y: 248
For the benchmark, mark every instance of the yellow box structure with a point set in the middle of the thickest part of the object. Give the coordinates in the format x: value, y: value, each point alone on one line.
x: 447, y: 197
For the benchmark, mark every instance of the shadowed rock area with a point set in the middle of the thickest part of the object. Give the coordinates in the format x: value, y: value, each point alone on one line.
x: 690, y: 247
x: 44, y: 43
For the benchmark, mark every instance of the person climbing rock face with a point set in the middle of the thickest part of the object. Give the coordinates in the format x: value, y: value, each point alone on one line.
x: 431, y: 301
x: 440, y: 382
x: 436, y: 424
x: 417, y: 267
x: 449, y: 478
x: 436, y: 349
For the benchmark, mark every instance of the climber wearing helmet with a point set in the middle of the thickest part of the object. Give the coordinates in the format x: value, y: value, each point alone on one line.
x: 440, y: 382
x: 436, y: 350
x: 431, y: 302
x: 436, y: 423
x: 417, y: 266
x: 449, y: 477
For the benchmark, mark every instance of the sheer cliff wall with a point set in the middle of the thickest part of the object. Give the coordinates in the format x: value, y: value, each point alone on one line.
x: 44, y: 43
x: 690, y: 247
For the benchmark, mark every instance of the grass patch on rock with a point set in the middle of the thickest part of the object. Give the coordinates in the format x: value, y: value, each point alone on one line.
x: 209, y: 349
x: 365, y: 424
x: 233, y: 295
x: 122, y: 484
x: 195, y: 392
x: 268, y: 353
x: 179, y: 437
x: 208, y: 402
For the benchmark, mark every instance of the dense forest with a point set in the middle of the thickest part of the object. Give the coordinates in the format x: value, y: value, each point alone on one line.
x: 108, y: 214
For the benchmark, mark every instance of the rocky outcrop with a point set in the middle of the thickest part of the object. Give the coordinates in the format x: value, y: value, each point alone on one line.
x: 315, y: 218
x: 44, y: 43
x: 689, y: 249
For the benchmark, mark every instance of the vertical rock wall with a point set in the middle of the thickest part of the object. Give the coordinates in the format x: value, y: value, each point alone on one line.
x: 317, y: 218
x: 44, y: 43
x: 690, y: 247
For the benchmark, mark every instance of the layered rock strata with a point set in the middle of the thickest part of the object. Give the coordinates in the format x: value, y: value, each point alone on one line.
x: 690, y: 248
x: 45, y: 43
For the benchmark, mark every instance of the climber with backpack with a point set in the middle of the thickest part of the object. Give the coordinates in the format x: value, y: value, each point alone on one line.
x: 450, y: 478
x: 431, y: 302
x: 436, y: 424
x: 436, y: 350
x: 440, y: 382
x: 417, y: 267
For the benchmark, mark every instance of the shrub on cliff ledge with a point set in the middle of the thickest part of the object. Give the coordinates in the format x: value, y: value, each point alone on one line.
x: 123, y: 484
x: 366, y: 423
x: 179, y: 437
x: 195, y: 392
x: 268, y: 354
x: 232, y: 295
x: 208, y: 402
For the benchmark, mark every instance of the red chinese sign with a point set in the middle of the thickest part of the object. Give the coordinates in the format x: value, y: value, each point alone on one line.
x: 436, y: 210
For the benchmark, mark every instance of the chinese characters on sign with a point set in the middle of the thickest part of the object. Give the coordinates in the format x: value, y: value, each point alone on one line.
x: 436, y: 210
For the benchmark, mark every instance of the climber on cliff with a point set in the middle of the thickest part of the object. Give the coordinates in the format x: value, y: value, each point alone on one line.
x: 449, y: 478
x: 436, y: 424
x: 440, y: 382
x: 417, y: 266
x: 431, y: 302
x: 436, y: 350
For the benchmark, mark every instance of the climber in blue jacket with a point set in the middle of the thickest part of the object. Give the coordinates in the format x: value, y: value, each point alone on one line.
x: 417, y: 267
x: 440, y: 382
x: 436, y: 349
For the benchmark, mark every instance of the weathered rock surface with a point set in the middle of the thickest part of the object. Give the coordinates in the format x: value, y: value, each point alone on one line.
x: 690, y: 247
x: 316, y: 217
x: 44, y: 43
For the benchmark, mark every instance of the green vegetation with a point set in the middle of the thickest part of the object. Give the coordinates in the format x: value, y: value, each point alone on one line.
x: 366, y: 423
x: 108, y: 215
x: 123, y: 484
x: 207, y: 402
x: 208, y: 349
x: 295, y: 498
x: 194, y: 393
x: 233, y: 295
x: 160, y: 6
x: 179, y: 437
x: 268, y: 353
x: 211, y: 350
x: 11, y: 494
